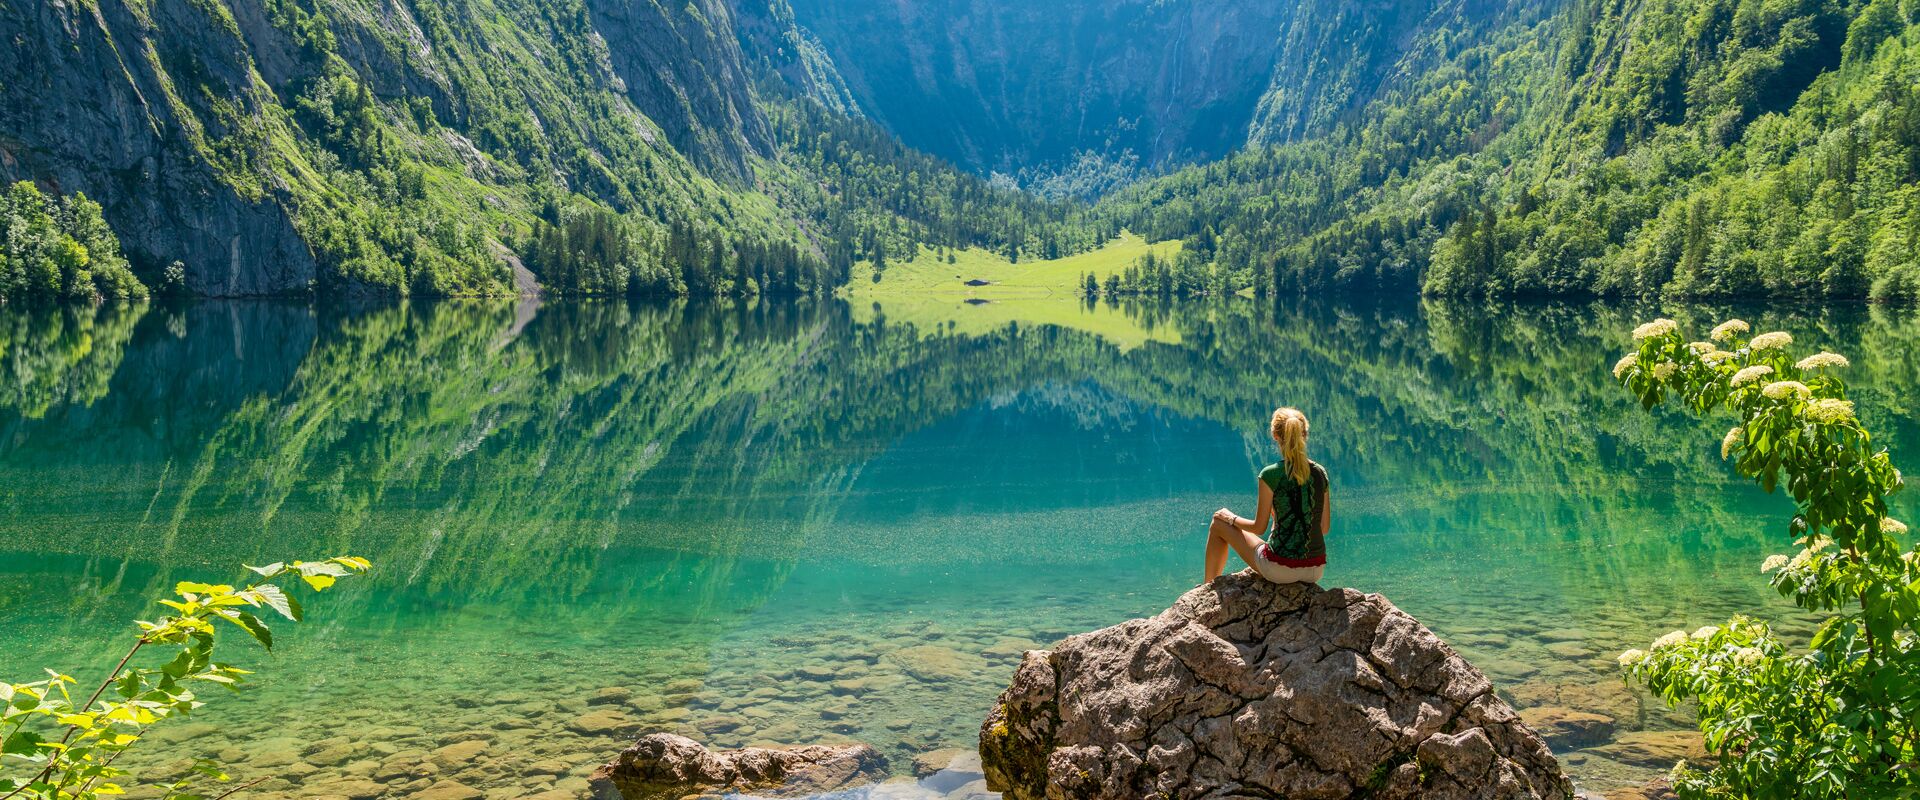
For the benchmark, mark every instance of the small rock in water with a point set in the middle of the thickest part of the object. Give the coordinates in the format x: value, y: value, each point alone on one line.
x: 1654, y: 749
x: 602, y: 723
x: 353, y: 789
x: 934, y: 663
x: 666, y: 767
x: 1564, y: 635
x: 459, y: 753
x: 449, y: 790
x: 933, y: 761
x: 611, y: 694
x: 1568, y: 729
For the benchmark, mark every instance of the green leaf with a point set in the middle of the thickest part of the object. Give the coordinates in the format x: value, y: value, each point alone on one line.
x: 318, y: 582
x: 180, y: 665
x: 269, y: 570
x: 276, y: 598
x: 22, y: 743
x: 252, y: 625
x: 320, y: 568
x: 189, y: 587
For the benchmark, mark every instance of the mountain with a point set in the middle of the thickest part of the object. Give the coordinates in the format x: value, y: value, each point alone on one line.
x: 1040, y: 88
x: 1706, y: 148
x: 1001, y: 86
x: 1696, y: 148
x: 271, y: 146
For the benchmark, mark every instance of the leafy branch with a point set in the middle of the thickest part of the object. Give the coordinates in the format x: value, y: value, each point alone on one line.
x: 1840, y: 719
x: 92, y: 734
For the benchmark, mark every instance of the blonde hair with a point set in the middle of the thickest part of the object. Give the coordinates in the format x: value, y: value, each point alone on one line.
x: 1290, y: 431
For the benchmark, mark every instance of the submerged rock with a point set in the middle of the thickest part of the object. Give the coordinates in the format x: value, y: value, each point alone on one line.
x: 662, y: 766
x: 1248, y: 688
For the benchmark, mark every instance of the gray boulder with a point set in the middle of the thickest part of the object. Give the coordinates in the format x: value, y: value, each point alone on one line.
x: 1245, y: 688
x: 662, y: 766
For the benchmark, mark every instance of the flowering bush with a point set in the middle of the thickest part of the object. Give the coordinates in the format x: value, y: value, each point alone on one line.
x: 53, y: 748
x: 1841, y: 718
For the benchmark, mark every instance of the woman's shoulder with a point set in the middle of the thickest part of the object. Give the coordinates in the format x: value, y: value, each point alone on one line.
x: 1319, y: 472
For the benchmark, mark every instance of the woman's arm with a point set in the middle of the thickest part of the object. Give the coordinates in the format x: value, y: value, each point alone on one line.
x: 1326, y: 511
x: 1257, y: 525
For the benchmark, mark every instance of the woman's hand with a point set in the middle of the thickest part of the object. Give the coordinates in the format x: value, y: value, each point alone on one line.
x: 1227, y: 517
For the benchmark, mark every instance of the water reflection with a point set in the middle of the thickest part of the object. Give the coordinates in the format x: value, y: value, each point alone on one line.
x: 743, y: 513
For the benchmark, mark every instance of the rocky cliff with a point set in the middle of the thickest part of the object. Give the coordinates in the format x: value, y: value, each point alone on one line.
x: 998, y: 85
x: 95, y: 98
x: 1245, y: 688
x: 274, y: 145
x: 1002, y: 86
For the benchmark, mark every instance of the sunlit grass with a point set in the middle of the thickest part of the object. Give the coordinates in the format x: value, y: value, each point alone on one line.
x: 934, y: 295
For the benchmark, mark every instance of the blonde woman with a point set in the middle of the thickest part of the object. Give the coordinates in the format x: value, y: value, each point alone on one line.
x: 1293, y: 497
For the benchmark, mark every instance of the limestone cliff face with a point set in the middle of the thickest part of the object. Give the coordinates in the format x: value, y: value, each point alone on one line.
x: 685, y: 71
x: 997, y: 85
x: 103, y: 99
x: 1001, y: 84
x: 192, y: 121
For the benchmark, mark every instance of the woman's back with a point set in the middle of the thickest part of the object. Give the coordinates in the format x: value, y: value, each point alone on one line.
x: 1295, y: 537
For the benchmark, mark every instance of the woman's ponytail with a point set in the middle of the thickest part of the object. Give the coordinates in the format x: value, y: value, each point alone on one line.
x: 1290, y: 431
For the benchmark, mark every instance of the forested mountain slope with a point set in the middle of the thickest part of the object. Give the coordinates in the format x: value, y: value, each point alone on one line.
x: 413, y: 145
x: 1680, y: 147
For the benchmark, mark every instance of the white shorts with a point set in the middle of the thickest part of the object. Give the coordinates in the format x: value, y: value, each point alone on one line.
x: 1281, y: 573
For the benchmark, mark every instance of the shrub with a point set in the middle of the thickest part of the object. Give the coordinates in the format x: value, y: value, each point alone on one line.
x: 1841, y: 717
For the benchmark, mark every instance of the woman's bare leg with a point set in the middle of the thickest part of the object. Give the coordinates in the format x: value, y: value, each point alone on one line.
x: 1222, y: 537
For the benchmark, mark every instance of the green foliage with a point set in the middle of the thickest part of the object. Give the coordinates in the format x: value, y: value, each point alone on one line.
x: 59, y: 248
x: 57, y: 749
x: 1838, y: 719
x: 1187, y: 274
x: 1688, y: 148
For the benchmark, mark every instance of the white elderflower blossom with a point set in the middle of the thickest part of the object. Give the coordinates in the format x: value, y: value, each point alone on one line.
x: 1801, y: 560
x: 1725, y: 331
x: 1658, y: 327
x: 1823, y: 360
x: 1716, y: 358
x: 1773, y: 562
x: 1780, y: 390
x: 1771, y: 341
x: 1751, y: 374
x: 1626, y: 363
x: 1733, y: 438
x: 1632, y: 657
x: 1829, y: 411
x: 1701, y: 348
x: 1747, y: 656
x: 1706, y: 632
x: 1892, y: 527
x: 1670, y: 639
x: 1665, y: 370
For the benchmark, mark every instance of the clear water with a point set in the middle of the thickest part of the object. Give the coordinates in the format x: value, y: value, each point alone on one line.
x: 734, y: 521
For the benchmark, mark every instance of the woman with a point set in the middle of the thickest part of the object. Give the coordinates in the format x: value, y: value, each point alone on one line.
x: 1293, y: 495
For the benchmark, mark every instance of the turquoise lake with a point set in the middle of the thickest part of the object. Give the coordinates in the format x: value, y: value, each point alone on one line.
x: 797, y: 521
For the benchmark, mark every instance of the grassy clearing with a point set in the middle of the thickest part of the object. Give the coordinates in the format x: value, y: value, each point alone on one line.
x: 927, y: 273
x: 933, y: 295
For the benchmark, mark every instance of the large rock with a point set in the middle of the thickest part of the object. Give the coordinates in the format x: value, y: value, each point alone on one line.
x: 666, y: 767
x: 1247, y: 688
